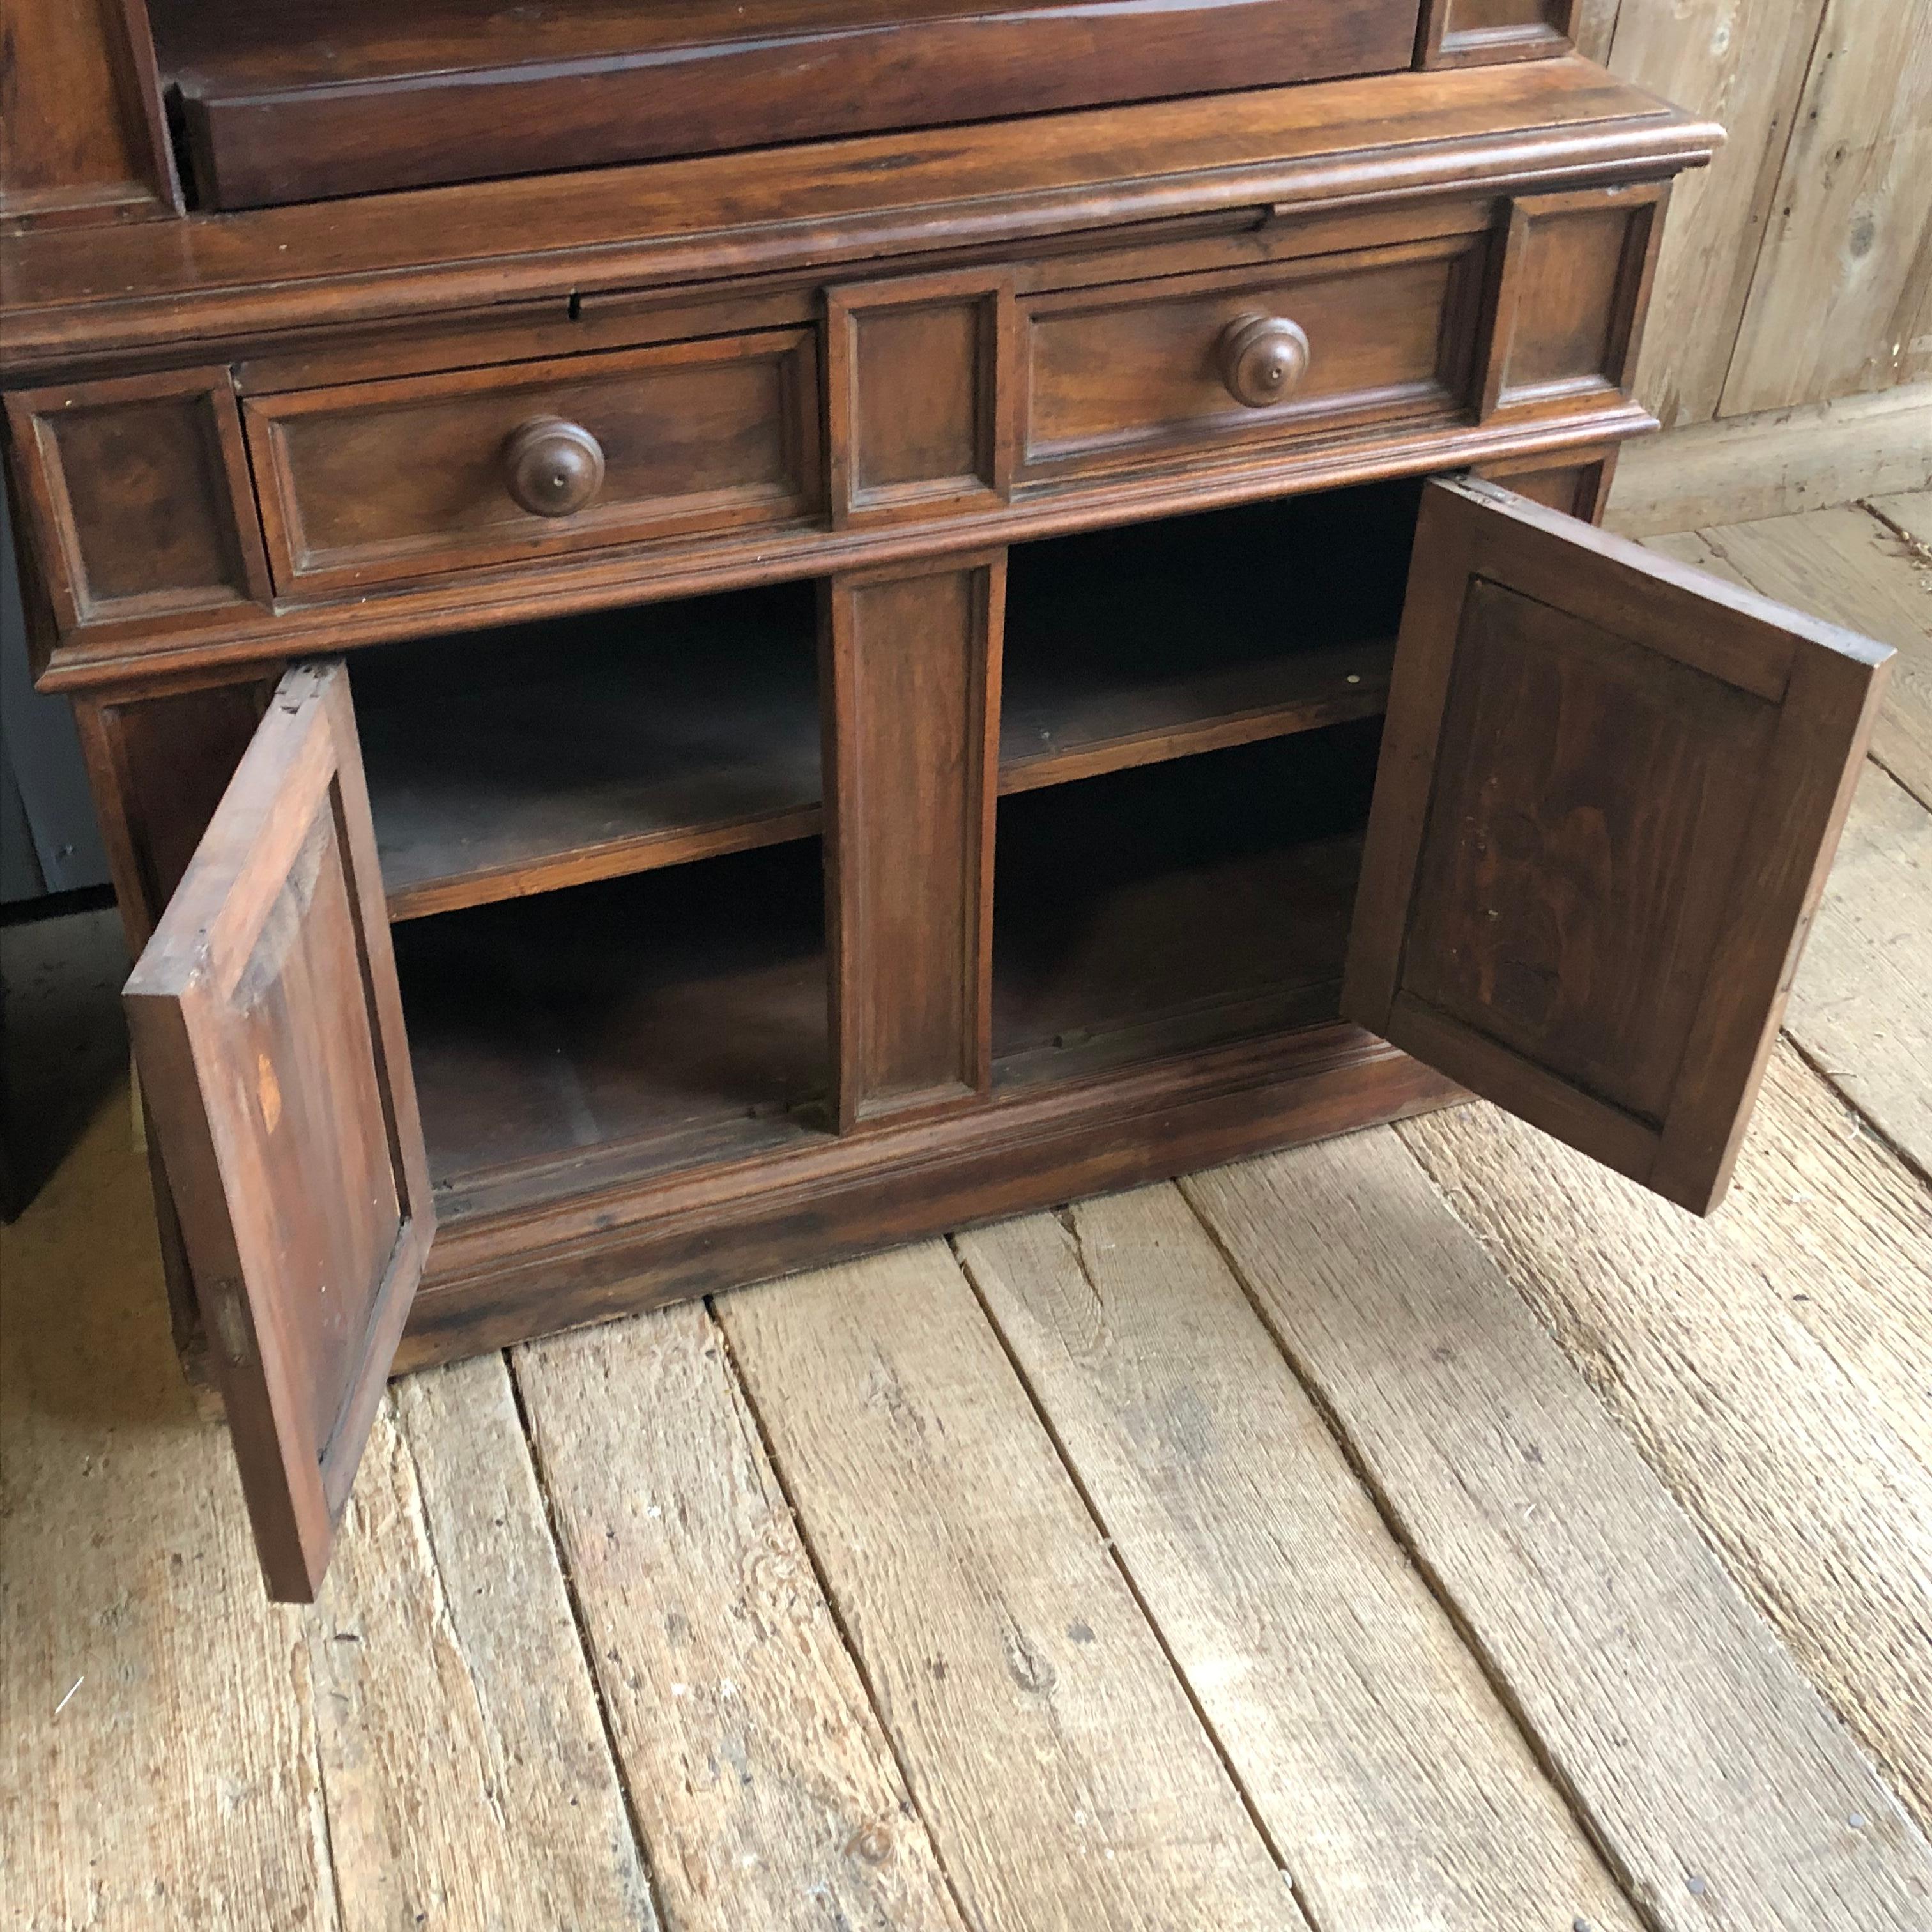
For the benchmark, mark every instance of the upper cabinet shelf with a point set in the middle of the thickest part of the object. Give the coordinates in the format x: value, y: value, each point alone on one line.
x: 358, y: 97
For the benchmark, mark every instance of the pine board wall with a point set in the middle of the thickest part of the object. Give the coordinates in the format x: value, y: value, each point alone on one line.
x: 1798, y: 267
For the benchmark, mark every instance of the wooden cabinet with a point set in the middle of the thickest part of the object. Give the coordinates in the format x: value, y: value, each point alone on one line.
x: 661, y: 724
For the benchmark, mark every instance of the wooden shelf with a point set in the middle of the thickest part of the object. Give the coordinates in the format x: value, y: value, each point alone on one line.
x: 558, y: 754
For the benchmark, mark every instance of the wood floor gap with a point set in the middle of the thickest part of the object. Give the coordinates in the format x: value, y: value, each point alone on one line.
x: 769, y: 1449
x: 585, y: 1646
x: 1124, y: 1570
x: 1863, y: 1121
x: 1627, y: 1881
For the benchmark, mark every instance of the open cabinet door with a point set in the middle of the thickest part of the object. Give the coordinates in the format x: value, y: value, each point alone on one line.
x: 1610, y: 789
x: 267, y: 1026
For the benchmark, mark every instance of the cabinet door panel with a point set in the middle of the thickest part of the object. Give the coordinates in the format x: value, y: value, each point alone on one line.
x: 1609, y: 792
x: 267, y: 1024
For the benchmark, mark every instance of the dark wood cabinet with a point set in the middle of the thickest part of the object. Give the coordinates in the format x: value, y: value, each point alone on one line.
x: 662, y: 723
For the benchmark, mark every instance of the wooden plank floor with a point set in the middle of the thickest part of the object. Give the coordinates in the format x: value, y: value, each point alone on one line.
x: 1426, y: 1531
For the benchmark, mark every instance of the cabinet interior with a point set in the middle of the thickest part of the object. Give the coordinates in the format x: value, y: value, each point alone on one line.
x: 601, y: 836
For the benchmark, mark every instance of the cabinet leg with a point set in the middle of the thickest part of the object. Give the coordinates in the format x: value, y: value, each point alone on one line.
x: 911, y: 661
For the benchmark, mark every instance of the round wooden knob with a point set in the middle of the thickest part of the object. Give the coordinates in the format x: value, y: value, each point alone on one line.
x: 553, y: 468
x: 1263, y: 358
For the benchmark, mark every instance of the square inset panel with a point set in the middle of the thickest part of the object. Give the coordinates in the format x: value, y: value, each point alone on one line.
x: 920, y: 392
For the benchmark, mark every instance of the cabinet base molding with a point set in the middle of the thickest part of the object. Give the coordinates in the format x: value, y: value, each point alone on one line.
x: 591, y: 1259
x: 1743, y: 468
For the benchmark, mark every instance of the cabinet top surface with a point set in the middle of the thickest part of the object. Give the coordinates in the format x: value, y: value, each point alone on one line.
x: 76, y: 294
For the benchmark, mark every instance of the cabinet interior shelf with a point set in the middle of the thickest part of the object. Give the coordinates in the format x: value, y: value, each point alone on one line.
x: 559, y: 754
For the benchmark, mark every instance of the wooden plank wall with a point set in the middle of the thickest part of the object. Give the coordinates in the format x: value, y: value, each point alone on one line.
x: 1799, y: 267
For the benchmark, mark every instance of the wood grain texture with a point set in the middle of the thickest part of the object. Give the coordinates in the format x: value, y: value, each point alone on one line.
x: 1910, y: 511
x: 911, y: 661
x: 1743, y: 62
x: 1771, y: 1365
x: 1003, y: 1650
x: 178, y: 1786
x: 1393, y: 1781
x: 1720, y: 1786
x: 463, y: 1757
x: 1842, y: 298
x: 1747, y: 468
x: 766, y: 1790
x: 1847, y: 566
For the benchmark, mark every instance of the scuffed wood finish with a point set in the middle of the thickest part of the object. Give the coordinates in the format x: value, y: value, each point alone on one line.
x: 1603, y: 942
x: 156, y: 1721
x: 1297, y: 150
x: 764, y: 1786
x: 1776, y: 464
x: 368, y: 100
x: 1133, y: 374
x: 1393, y: 1781
x: 462, y: 1756
x: 921, y: 389
x: 1005, y: 1653
x: 141, y: 506
x: 912, y: 665
x: 82, y: 136
x: 267, y: 1024
x: 1842, y: 298
x: 1720, y: 1786
x: 1771, y: 1365
x: 373, y: 482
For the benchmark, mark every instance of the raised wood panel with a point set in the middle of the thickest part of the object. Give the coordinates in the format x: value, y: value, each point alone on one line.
x: 138, y: 497
x: 1610, y: 793
x: 912, y: 661
x: 82, y: 136
x: 1133, y: 373
x: 1841, y: 299
x: 267, y: 1027
x: 1479, y: 33
x: 1576, y: 277
x: 375, y: 482
x: 920, y: 394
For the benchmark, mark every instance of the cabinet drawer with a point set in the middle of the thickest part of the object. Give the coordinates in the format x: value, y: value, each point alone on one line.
x: 1243, y: 356
x: 374, y: 481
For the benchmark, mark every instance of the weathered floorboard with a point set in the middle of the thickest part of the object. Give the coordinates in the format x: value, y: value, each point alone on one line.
x: 157, y: 1748
x: 1911, y: 510
x: 1773, y: 1364
x: 1722, y: 1788
x: 1065, y: 1779
x: 766, y: 1794
x: 468, y: 1779
x: 1397, y: 1787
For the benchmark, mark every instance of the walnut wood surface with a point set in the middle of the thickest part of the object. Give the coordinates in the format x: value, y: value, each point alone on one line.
x: 1611, y: 790
x: 912, y: 662
x: 204, y: 280
x: 268, y: 1027
x: 364, y: 98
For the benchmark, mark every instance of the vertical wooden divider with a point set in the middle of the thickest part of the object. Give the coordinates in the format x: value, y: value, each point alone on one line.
x: 911, y: 660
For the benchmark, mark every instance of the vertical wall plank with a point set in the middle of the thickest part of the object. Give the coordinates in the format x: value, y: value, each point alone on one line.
x: 1842, y: 298
x: 911, y: 770
x: 1743, y: 61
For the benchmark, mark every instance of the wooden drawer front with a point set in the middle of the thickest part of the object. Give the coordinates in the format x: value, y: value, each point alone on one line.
x: 1134, y: 373
x: 410, y: 477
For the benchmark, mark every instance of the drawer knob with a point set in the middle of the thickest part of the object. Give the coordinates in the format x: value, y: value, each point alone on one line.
x: 553, y: 468
x: 1263, y: 358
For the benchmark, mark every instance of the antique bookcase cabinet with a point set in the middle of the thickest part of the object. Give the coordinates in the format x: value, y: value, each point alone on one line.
x: 554, y: 642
